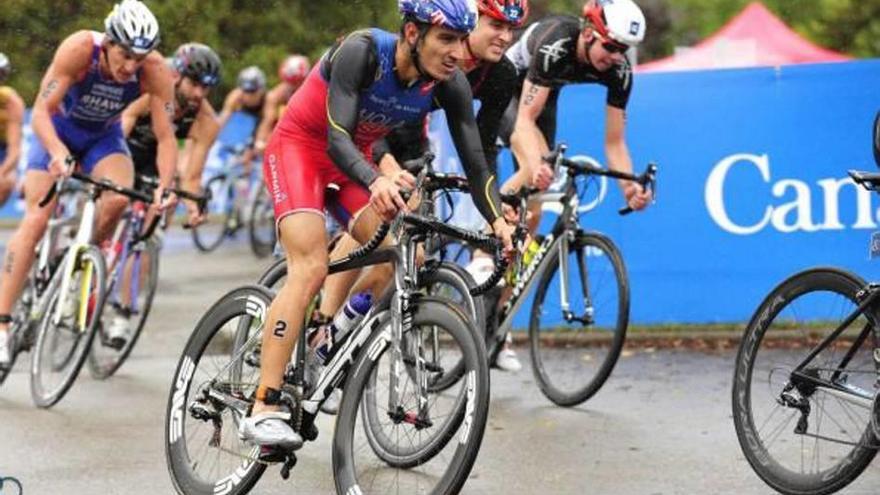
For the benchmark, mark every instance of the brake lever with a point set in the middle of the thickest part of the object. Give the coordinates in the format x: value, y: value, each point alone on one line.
x: 648, y: 181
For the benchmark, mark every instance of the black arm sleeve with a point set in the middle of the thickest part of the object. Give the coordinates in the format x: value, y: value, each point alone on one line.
x: 353, y: 63
x: 454, y: 96
x: 494, y: 93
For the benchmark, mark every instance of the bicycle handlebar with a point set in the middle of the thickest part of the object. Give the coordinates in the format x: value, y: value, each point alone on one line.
x: 647, y: 179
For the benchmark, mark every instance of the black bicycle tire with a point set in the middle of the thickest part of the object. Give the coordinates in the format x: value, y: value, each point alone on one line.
x: 240, y: 301
x: 428, y: 311
x: 101, y: 374
x: 770, y: 471
x: 259, y: 248
x: 555, y: 395
x: 456, y: 276
x: 44, y: 400
x: 204, y: 245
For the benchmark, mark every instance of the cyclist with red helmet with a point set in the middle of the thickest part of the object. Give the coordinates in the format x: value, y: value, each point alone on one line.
x: 366, y: 85
x: 561, y: 50
x: 291, y: 73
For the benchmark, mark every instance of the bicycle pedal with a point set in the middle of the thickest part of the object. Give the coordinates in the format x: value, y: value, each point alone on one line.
x: 309, y: 432
x: 272, y: 454
x: 288, y: 465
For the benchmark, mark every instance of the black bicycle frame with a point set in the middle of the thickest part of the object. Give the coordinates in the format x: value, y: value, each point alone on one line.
x: 807, y: 383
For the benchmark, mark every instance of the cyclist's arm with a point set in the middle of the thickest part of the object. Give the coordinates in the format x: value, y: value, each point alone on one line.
x: 133, y: 112
x: 14, y: 120
x: 159, y: 84
x: 230, y: 105
x: 353, y: 64
x: 527, y: 141
x: 454, y: 96
x: 615, y: 142
x: 201, y: 136
x: 71, y: 59
x: 495, y: 93
x: 267, y: 123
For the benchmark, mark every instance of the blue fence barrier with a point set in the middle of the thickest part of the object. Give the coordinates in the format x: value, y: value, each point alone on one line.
x: 752, y: 182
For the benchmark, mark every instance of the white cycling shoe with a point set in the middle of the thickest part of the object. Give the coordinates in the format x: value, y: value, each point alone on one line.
x: 119, y: 330
x: 5, y: 349
x: 507, y: 361
x: 331, y: 405
x: 270, y: 429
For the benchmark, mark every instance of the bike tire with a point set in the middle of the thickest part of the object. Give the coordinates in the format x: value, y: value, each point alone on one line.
x: 262, y: 239
x: 459, y: 281
x: 181, y: 427
x: 552, y: 349
x: 48, y: 333
x: 104, y: 365
x: 208, y: 237
x: 451, y: 478
x: 806, y: 294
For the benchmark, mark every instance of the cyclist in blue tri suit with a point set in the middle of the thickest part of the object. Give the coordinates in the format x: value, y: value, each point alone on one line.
x: 92, y: 78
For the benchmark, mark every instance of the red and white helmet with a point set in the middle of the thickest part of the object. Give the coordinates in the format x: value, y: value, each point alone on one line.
x: 513, y: 11
x: 294, y: 69
x: 621, y: 21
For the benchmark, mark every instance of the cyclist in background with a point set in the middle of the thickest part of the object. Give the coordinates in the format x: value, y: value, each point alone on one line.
x: 195, y: 70
x: 366, y: 85
x: 92, y: 78
x: 248, y: 97
x: 561, y: 50
x: 552, y: 53
x: 11, y: 121
x: 292, y: 72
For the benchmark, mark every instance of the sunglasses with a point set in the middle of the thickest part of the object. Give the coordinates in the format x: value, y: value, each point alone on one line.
x: 610, y: 45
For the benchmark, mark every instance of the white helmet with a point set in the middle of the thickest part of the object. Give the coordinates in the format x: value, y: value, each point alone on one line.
x: 5, y: 66
x: 132, y: 25
x: 621, y: 21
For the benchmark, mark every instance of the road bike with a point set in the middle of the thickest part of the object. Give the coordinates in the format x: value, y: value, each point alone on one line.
x: 392, y: 433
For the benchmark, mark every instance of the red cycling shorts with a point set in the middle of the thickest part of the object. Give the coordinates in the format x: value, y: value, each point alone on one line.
x: 297, y: 172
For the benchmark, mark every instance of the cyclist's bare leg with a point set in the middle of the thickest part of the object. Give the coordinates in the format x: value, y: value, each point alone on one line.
x: 7, y: 185
x: 336, y: 286
x: 377, y: 277
x: 20, y: 250
x: 304, y: 238
x: 118, y: 169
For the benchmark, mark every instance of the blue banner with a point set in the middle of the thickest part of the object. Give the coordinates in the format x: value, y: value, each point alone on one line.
x: 752, y: 182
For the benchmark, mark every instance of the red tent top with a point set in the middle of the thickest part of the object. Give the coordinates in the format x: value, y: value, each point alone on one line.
x: 753, y: 38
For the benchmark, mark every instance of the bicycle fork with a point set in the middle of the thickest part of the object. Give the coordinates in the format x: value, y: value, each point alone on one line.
x: 587, y: 317
x: 80, y: 244
x: 401, y: 324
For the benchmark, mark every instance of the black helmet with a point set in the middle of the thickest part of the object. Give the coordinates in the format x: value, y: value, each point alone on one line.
x: 198, y: 62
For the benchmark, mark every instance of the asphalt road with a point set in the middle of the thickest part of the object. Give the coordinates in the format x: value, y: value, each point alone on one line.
x: 661, y: 425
